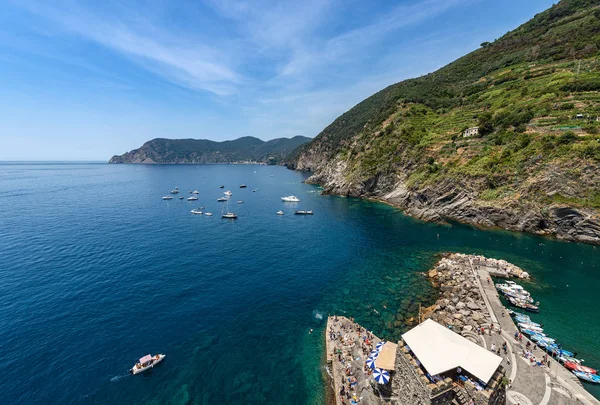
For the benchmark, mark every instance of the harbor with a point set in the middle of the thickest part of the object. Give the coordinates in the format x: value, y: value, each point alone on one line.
x: 468, y: 315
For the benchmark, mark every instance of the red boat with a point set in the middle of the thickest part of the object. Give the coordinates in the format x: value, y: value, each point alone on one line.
x: 578, y: 367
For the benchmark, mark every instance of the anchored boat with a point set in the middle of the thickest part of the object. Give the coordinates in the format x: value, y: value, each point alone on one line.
x: 145, y: 363
x: 593, y: 378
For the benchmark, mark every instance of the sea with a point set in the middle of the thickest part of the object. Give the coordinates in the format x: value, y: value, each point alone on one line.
x: 97, y: 270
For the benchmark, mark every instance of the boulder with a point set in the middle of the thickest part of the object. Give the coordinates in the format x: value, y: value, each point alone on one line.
x: 473, y: 306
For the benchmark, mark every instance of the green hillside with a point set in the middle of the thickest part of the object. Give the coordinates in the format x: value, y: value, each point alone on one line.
x: 534, y: 93
x: 245, y: 149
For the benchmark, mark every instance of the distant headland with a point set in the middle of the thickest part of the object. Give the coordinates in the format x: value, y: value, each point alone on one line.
x: 247, y: 149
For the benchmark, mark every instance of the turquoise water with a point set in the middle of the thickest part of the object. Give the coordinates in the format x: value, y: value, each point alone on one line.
x: 96, y: 270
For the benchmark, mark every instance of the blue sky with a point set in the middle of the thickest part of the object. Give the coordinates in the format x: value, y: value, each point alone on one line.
x: 83, y: 80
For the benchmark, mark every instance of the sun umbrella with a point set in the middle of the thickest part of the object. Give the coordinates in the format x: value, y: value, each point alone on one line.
x: 381, y: 376
x: 374, y: 354
x: 370, y: 362
x: 378, y: 346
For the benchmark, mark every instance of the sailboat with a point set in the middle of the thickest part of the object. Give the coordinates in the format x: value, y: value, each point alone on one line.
x: 228, y: 215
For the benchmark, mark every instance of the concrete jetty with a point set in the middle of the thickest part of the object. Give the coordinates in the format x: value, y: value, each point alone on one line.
x: 468, y: 305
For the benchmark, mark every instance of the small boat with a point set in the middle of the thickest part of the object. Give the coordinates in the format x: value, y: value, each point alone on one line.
x: 240, y: 202
x: 579, y: 367
x: 167, y: 197
x: 195, y: 192
x: 146, y: 362
x: 221, y: 186
x: 229, y: 215
x: 181, y: 198
x: 208, y: 214
x: 515, y: 314
x: 192, y: 198
x: 530, y: 333
x: 303, y: 212
x: 221, y: 199
x: 254, y: 190
x: 279, y: 212
x: 530, y: 327
x: 593, y: 378
x: 528, y: 320
x: 290, y: 198
x: 243, y: 186
x: 176, y: 191
x: 523, y: 305
x: 564, y: 359
x: 196, y: 211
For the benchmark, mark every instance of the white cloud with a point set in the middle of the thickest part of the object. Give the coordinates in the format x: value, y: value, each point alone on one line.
x: 185, y: 61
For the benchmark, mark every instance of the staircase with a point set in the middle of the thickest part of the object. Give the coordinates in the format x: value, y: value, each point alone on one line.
x: 461, y: 397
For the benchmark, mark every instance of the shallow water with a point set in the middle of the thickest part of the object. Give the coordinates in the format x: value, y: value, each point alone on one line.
x: 96, y: 270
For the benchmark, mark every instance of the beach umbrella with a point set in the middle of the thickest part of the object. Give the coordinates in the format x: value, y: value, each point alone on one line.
x: 370, y: 362
x: 381, y: 376
x: 378, y: 346
x: 374, y: 354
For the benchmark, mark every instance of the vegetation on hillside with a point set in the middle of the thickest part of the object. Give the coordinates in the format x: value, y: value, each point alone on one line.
x: 534, y: 93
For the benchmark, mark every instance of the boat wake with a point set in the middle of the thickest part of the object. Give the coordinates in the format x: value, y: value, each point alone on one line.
x: 118, y: 377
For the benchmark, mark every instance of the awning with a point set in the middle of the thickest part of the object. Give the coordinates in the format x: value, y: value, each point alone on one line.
x: 145, y: 359
x: 439, y: 350
x: 387, y: 356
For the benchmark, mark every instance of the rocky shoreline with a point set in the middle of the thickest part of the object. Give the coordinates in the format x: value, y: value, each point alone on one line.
x: 454, y: 202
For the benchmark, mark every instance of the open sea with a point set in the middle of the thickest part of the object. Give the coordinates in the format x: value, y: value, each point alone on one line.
x: 96, y: 270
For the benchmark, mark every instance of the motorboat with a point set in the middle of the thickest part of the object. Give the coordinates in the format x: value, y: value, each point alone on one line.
x: 515, y: 314
x: 192, y: 198
x: 303, y: 212
x: 254, y: 190
x: 167, y: 197
x: 523, y: 305
x: 593, y: 378
x: 579, y: 367
x: 243, y: 186
x: 196, y: 211
x: 526, y: 319
x: 145, y: 363
x: 529, y: 322
x: 221, y: 186
x: 279, y: 212
x: 195, y: 192
x: 290, y: 198
x: 530, y: 332
x: 181, y: 198
x: 240, y: 202
x: 530, y: 326
x: 176, y: 191
x: 228, y: 193
x: 221, y: 199
x: 208, y: 214
x: 520, y: 297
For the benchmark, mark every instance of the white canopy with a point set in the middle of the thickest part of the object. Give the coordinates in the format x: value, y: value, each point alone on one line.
x: 439, y: 350
x: 387, y: 356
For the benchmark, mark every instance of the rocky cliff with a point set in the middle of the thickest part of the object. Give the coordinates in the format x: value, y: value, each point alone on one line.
x: 533, y: 164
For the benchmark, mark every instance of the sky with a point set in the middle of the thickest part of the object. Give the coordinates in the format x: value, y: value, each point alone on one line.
x: 85, y: 80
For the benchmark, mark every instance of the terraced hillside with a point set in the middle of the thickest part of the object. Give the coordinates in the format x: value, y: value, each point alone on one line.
x: 534, y: 165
